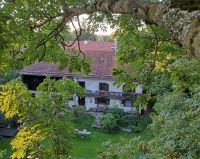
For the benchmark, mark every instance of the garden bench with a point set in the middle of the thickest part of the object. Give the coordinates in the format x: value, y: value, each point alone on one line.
x: 83, y: 133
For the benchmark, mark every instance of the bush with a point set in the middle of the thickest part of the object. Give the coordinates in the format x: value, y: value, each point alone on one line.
x: 78, y: 111
x: 109, y: 123
x: 126, y: 149
x: 136, y: 121
x: 118, y: 114
x: 116, y: 111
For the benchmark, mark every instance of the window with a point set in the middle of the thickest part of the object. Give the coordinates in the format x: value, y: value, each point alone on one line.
x: 103, y: 87
x: 82, y: 84
x: 81, y: 101
x: 103, y: 101
x: 127, y: 103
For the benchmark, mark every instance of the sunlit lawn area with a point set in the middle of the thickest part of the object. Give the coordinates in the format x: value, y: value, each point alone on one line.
x: 87, y: 147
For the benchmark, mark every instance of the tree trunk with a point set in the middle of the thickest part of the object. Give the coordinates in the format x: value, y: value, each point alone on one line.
x: 183, y: 25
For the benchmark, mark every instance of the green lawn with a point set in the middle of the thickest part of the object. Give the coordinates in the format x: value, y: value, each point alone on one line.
x: 88, y: 147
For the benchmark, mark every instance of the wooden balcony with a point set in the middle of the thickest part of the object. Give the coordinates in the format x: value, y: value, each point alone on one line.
x: 115, y: 95
x: 107, y: 94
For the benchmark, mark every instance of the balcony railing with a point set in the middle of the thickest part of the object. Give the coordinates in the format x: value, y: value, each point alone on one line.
x: 117, y: 95
x: 106, y: 94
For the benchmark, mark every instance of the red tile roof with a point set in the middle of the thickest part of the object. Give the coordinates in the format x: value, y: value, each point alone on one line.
x: 101, y: 53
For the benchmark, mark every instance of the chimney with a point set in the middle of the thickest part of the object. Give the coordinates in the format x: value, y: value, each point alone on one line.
x: 114, y: 48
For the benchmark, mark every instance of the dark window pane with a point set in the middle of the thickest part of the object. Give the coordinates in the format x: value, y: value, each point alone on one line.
x: 103, y: 87
x: 103, y: 101
x: 82, y: 84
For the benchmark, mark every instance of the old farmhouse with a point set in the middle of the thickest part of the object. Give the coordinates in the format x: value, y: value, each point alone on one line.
x: 101, y: 91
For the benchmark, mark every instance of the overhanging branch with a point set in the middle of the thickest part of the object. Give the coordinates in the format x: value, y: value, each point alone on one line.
x: 183, y: 25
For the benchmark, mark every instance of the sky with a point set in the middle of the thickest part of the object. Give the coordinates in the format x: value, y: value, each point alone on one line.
x: 99, y: 32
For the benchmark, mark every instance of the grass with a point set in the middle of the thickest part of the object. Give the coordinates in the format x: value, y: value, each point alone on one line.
x: 88, y: 147
x: 5, y: 145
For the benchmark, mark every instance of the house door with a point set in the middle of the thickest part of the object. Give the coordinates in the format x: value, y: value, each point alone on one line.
x: 81, y: 101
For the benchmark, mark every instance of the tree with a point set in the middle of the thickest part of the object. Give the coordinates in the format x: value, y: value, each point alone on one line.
x: 38, y: 26
x: 45, y: 119
x: 7, y: 60
x: 104, y: 38
x: 170, y: 79
x: 88, y: 36
x: 148, y: 50
x: 175, y: 127
x: 176, y: 115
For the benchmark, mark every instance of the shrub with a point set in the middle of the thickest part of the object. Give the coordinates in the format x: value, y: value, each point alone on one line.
x: 78, y: 111
x: 136, y: 121
x: 118, y: 114
x: 109, y: 123
x: 116, y: 111
x: 144, y: 121
x: 126, y: 149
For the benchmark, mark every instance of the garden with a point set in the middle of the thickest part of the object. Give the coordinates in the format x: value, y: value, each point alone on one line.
x: 89, y: 147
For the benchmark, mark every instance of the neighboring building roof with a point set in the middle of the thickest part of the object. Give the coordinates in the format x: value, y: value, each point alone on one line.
x: 101, y: 53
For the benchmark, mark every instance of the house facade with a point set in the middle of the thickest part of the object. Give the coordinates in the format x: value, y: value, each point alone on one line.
x: 101, y: 91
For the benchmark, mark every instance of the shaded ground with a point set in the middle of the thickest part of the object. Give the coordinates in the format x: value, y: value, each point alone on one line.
x: 7, y: 132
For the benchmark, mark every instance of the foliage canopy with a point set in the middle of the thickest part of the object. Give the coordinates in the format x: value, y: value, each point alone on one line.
x: 33, y: 31
x: 45, y: 119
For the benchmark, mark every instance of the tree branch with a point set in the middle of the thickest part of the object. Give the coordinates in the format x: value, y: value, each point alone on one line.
x: 46, y: 21
x: 183, y: 25
x: 155, y: 52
